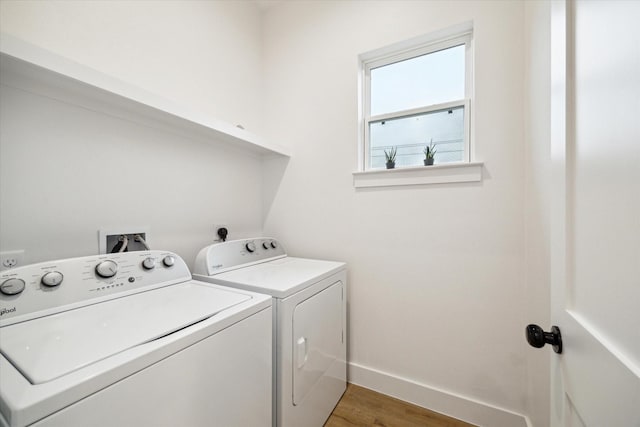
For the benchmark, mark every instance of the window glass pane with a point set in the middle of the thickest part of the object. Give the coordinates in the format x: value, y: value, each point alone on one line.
x: 425, y: 80
x: 412, y: 134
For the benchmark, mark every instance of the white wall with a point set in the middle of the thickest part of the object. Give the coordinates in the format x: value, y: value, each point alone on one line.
x: 437, y: 279
x: 537, y: 203
x: 66, y: 171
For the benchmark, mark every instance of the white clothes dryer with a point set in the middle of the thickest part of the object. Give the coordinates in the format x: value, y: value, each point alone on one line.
x: 130, y: 339
x: 309, y: 321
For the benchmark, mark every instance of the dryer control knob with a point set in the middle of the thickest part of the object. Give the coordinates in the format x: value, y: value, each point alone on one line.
x: 168, y: 261
x: 274, y: 244
x: 12, y: 286
x: 107, y: 268
x: 266, y: 245
x: 251, y: 247
x: 52, y: 278
x: 149, y: 263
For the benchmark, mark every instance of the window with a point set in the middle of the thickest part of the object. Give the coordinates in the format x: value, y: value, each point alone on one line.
x: 415, y: 94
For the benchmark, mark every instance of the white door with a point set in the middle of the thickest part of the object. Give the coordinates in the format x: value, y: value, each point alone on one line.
x: 595, y: 265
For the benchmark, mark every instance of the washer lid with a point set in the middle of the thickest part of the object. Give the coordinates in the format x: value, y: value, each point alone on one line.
x: 281, y: 277
x: 50, y: 347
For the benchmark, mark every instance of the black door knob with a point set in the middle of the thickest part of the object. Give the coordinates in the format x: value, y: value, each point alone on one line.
x: 537, y: 338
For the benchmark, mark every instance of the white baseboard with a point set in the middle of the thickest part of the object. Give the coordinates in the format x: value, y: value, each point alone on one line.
x: 451, y: 404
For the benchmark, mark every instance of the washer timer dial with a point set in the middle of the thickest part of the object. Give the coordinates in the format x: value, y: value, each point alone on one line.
x: 107, y: 268
x: 251, y: 247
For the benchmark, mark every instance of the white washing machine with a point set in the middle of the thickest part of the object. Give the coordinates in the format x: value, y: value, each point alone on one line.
x: 131, y: 340
x: 309, y: 319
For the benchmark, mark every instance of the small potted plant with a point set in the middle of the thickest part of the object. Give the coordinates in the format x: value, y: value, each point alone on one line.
x: 429, y: 153
x: 391, y: 157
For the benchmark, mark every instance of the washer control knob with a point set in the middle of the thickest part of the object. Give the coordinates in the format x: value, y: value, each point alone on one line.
x: 12, y: 286
x: 169, y: 260
x: 52, y: 278
x: 149, y: 263
x: 251, y: 247
x: 107, y: 268
x: 266, y: 245
x: 274, y: 244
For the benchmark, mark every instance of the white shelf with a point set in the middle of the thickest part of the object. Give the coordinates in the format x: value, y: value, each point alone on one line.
x: 37, y: 70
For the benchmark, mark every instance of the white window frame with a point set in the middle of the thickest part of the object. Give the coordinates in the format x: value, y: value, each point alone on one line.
x: 455, y: 36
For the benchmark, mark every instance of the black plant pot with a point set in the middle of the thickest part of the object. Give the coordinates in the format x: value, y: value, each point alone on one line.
x: 391, y: 165
x: 428, y: 162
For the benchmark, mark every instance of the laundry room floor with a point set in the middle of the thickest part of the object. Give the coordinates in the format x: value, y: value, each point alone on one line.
x: 363, y: 407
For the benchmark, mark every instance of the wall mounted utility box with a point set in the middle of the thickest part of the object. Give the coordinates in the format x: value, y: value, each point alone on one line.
x: 123, y: 239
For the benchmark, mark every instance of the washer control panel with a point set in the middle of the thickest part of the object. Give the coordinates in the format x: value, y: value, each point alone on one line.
x: 49, y: 287
x: 225, y: 256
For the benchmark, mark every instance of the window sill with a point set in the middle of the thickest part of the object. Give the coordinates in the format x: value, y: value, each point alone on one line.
x: 419, y: 175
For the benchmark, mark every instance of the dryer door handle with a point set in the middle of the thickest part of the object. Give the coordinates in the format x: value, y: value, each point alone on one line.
x: 303, y: 349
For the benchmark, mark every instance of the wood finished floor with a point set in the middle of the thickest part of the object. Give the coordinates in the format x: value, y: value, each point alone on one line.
x: 363, y: 407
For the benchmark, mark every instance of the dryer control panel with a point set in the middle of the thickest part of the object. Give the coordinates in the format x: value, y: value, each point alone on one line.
x: 50, y: 287
x: 233, y: 254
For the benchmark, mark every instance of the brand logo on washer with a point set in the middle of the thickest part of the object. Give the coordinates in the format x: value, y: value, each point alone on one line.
x: 217, y: 266
x: 4, y: 311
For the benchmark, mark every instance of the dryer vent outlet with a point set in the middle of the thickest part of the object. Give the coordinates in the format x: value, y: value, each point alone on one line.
x: 126, y: 242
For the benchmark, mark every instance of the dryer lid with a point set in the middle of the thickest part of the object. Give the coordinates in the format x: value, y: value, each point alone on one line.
x: 281, y: 277
x: 50, y: 347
